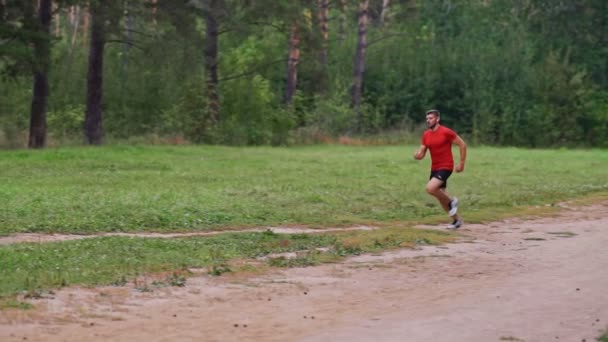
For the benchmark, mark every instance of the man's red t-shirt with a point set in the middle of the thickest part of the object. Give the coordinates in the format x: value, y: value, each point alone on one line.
x: 439, y: 143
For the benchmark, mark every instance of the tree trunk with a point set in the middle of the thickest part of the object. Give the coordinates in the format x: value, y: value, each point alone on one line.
x: 154, y: 11
x: 75, y: 23
x: 323, y: 16
x: 56, y: 20
x: 93, y: 125
x: 129, y: 26
x: 322, y: 72
x: 342, y: 21
x: 71, y: 16
x: 211, y: 62
x: 85, y: 26
x: 42, y: 51
x: 292, y: 64
x: 74, y: 19
x: 359, y: 64
x: 383, y: 13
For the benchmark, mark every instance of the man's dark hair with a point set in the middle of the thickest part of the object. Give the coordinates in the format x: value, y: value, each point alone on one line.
x: 432, y: 111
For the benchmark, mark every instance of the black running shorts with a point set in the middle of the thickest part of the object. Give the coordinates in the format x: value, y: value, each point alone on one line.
x: 442, y: 175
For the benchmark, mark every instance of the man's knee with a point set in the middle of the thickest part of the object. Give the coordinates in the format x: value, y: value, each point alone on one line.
x: 432, y: 190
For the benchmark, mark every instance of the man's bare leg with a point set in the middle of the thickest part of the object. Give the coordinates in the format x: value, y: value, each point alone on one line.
x: 433, y: 187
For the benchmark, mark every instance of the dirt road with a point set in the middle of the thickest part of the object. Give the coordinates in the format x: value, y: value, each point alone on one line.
x: 539, y: 280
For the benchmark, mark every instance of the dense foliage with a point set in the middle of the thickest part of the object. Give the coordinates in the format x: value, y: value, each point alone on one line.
x: 503, y: 72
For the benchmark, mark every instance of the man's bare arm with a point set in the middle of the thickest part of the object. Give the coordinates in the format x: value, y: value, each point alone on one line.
x: 420, y: 152
x: 463, y: 153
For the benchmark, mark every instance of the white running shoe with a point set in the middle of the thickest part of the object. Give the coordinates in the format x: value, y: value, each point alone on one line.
x: 455, y: 225
x: 453, y: 206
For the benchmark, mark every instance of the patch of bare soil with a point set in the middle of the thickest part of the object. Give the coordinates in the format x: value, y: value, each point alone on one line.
x: 41, y: 238
x: 538, y: 280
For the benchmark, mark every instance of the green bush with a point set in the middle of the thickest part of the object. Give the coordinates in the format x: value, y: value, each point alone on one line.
x: 15, y: 102
x: 66, y: 123
x: 561, y: 94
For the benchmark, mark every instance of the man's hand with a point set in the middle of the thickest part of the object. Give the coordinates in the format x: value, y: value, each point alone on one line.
x: 462, y: 146
x: 420, y: 153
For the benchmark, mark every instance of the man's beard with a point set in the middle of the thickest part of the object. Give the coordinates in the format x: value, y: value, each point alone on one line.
x: 431, y: 126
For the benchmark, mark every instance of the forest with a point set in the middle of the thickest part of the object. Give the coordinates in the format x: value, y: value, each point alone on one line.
x: 528, y: 73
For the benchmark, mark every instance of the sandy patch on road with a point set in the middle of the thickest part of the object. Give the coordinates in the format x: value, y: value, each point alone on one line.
x: 516, y: 280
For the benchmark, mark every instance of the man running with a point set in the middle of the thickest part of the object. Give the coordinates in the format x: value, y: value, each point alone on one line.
x: 438, y: 140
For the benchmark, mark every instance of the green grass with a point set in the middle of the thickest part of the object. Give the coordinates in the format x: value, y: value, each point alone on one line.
x: 34, y: 268
x: 198, y: 188
x: 12, y: 303
x: 186, y: 188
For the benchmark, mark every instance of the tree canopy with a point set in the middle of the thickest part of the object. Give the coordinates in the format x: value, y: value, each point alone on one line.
x: 519, y: 73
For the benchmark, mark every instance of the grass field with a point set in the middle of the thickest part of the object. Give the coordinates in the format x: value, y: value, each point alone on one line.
x: 188, y: 188
x: 33, y: 268
x: 127, y: 188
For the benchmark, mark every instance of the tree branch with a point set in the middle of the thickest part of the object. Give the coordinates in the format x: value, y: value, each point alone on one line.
x: 391, y: 35
x: 120, y: 41
x: 139, y: 32
x: 252, y: 71
x: 219, y: 33
x: 261, y: 23
x: 8, y: 40
x: 240, y: 27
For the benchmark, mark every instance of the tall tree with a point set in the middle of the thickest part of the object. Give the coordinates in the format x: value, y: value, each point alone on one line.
x: 129, y: 27
x: 292, y: 63
x: 93, y: 123
x: 211, y: 59
x: 212, y: 13
x: 342, y: 20
x: 74, y: 19
x: 323, y: 16
x: 384, y: 11
x: 323, y: 23
x: 42, y: 61
x: 578, y: 26
x: 359, y: 61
